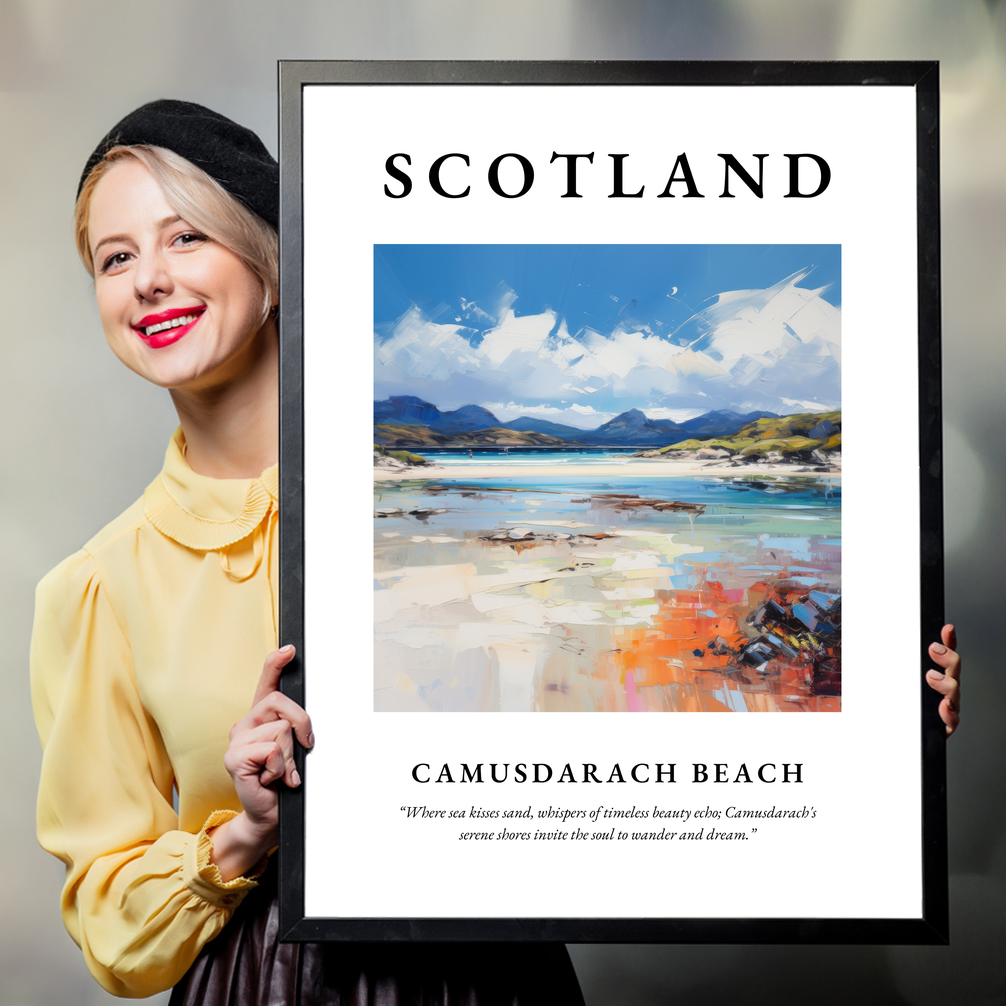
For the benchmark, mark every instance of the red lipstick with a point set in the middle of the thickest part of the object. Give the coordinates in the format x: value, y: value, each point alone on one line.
x: 166, y: 327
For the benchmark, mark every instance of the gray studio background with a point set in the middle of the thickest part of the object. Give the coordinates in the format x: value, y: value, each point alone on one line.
x: 81, y: 436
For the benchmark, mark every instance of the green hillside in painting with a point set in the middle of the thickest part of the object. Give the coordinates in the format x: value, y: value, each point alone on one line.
x: 800, y: 433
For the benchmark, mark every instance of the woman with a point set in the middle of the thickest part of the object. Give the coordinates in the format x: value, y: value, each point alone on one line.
x: 148, y: 643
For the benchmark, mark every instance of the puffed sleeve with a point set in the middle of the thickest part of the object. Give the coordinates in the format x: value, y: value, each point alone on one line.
x: 141, y: 898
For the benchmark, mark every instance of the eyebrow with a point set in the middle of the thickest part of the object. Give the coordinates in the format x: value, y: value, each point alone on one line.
x: 111, y: 238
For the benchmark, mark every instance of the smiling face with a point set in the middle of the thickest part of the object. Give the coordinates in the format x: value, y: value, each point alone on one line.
x: 177, y: 307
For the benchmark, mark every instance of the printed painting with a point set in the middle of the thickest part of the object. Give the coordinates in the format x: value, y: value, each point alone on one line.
x: 607, y: 478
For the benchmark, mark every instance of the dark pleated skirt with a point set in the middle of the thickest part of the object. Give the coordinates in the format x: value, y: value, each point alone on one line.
x: 246, y: 965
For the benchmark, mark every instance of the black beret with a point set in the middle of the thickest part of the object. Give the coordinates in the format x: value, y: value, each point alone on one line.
x: 230, y: 154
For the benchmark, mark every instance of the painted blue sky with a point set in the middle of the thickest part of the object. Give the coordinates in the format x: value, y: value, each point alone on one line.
x: 578, y: 333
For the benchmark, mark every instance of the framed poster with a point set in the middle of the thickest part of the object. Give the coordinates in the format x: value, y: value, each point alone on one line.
x: 633, y: 370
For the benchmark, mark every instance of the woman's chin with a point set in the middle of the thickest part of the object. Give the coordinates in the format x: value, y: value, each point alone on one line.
x: 173, y: 374
x: 196, y: 365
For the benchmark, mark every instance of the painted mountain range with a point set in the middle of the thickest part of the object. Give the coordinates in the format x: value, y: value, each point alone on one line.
x: 408, y: 421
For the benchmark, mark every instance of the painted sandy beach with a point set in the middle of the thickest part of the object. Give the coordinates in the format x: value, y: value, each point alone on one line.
x: 705, y: 593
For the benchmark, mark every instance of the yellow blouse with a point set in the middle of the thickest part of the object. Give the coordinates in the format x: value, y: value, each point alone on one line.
x: 147, y: 647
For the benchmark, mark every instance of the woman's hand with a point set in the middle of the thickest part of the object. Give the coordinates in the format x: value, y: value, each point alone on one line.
x: 947, y: 682
x: 260, y: 753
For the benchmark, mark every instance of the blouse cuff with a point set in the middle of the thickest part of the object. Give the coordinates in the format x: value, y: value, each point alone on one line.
x: 202, y: 876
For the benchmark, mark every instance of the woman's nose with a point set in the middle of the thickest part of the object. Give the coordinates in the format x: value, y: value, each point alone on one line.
x: 152, y: 277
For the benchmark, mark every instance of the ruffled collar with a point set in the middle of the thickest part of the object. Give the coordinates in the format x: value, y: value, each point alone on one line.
x: 203, y: 513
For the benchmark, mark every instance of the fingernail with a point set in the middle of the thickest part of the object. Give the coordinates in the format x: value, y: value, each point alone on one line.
x: 938, y: 648
x: 295, y: 777
x: 310, y: 740
x: 936, y: 675
x: 287, y: 649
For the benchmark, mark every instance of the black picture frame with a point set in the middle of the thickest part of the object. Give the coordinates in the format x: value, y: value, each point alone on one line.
x: 932, y: 926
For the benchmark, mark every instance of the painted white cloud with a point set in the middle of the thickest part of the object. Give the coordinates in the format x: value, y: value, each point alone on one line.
x: 750, y: 349
x: 469, y: 308
x: 674, y: 415
x: 582, y: 417
x: 511, y: 410
x: 516, y: 339
x: 795, y: 405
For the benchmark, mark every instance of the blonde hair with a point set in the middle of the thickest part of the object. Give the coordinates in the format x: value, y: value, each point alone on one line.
x: 199, y: 200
